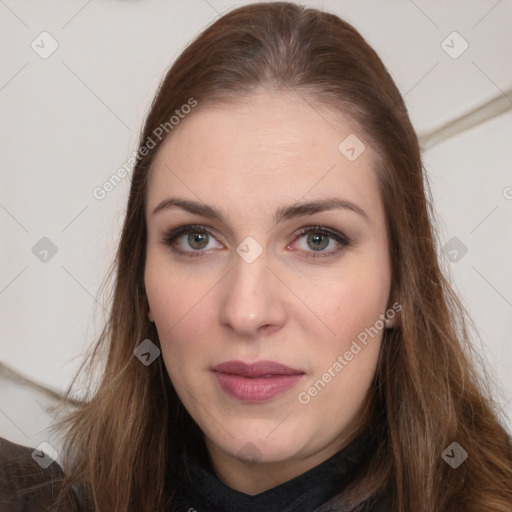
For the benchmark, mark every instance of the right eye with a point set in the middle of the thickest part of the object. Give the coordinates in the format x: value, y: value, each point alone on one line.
x: 191, y: 241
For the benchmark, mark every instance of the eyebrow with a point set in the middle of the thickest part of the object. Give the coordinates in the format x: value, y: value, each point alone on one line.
x: 282, y: 214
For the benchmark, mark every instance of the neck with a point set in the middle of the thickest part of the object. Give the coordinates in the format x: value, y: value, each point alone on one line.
x: 257, y: 477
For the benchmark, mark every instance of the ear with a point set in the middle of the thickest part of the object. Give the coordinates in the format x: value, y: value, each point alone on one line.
x: 393, y: 315
x: 390, y: 322
x: 150, y: 316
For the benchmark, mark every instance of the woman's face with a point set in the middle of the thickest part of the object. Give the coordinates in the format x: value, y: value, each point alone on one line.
x: 246, y: 283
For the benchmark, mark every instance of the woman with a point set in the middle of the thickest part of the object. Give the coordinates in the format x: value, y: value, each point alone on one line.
x: 281, y: 336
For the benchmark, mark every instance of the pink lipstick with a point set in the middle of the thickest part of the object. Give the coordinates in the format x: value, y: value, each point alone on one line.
x: 256, y: 382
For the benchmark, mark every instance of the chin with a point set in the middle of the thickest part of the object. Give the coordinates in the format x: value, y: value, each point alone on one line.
x: 264, y: 448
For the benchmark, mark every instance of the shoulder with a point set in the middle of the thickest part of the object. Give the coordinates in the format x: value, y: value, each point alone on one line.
x: 26, y: 484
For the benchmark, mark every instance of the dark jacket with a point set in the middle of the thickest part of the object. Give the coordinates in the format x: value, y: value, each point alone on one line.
x: 26, y: 486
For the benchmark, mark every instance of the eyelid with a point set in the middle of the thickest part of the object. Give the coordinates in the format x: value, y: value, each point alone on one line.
x: 333, y: 233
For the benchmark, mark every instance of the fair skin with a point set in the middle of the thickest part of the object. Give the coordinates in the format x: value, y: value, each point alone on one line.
x: 249, y: 159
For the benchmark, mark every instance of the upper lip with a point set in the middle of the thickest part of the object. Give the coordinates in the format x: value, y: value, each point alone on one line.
x: 256, y: 369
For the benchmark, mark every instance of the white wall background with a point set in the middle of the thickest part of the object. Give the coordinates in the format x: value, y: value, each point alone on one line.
x: 70, y: 120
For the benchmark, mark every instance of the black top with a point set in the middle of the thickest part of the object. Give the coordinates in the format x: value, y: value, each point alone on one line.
x: 25, y: 486
x: 199, y: 489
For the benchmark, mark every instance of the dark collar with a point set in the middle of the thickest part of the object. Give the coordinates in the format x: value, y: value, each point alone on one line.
x: 200, y: 490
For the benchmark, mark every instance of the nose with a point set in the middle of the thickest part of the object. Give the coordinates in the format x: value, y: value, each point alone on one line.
x: 251, y: 303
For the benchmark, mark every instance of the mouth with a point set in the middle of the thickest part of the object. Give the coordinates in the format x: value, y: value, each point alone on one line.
x: 256, y: 382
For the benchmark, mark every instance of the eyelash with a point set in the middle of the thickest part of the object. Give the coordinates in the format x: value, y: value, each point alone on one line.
x: 169, y: 239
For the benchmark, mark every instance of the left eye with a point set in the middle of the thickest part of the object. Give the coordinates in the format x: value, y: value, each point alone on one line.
x: 318, y: 239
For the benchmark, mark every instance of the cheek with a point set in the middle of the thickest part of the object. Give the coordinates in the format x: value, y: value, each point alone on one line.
x: 170, y: 293
x: 343, y: 359
x: 349, y: 302
x: 178, y: 302
x: 344, y: 350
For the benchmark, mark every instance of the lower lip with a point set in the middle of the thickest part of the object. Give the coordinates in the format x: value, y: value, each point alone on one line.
x: 256, y: 389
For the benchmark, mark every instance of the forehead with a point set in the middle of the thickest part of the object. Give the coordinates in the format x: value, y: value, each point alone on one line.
x: 266, y: 147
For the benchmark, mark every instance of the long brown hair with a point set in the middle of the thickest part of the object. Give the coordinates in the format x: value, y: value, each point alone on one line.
x: 121, y: 440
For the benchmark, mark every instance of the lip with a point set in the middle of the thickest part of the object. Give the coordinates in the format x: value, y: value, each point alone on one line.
x: 256, y: 382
